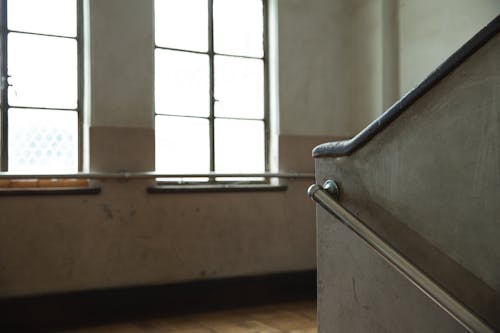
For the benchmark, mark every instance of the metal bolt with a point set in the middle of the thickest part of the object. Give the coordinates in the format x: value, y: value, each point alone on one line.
x: 331, y: 187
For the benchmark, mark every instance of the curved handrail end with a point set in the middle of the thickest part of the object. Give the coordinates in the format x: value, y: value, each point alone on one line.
x: 332, y: 149
x: 313, y: 189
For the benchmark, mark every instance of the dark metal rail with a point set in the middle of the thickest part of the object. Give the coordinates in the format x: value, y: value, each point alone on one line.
x: 326, y: 197
x: 151, y: 174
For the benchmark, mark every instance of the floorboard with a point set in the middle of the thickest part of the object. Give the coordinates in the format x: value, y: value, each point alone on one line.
x: 291, y: 317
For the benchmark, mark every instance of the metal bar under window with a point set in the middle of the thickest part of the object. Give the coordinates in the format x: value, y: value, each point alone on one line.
x: 152, y: 175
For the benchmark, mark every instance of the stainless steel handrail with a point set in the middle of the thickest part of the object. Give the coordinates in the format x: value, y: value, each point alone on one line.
x: 326, y: 198
x: 152, y: 174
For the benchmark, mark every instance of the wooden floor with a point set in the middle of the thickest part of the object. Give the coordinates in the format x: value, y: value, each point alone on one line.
x: 297, y: 317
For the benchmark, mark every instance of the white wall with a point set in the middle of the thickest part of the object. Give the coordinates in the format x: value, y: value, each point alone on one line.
x: 121, y: 49
x: 337, y: 65
x: 311, y: 68
x: 342, y: 63
x: 430, y: 31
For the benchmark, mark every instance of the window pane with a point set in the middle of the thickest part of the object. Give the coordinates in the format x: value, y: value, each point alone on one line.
x: 182, y: 145
x: 55, y: 17
x: 238, y: 27
x: 182, y: 24
x: 42, y: 141
x: 239, y: 87
x: 182, y: 85
x: 43, y: 70
x: 239, y: 146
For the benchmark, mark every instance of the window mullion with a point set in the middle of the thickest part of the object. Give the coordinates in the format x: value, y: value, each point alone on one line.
x: 212, y: 87
x: 267, y: 125
x: 4, y: 86
x: 80, y: 78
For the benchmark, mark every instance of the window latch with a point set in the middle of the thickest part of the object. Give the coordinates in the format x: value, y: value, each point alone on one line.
x: 5, y: 82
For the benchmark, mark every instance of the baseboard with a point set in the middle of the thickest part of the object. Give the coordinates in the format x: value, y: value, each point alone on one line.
x: 53, y: 312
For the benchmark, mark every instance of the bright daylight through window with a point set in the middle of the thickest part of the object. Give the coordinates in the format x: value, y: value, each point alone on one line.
x: 210, y: 86
x: 39, y: 93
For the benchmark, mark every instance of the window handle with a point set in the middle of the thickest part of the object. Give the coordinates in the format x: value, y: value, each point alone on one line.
x: 5, y: 81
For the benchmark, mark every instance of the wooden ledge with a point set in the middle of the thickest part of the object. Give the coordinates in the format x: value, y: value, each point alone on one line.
x: 47, y: 186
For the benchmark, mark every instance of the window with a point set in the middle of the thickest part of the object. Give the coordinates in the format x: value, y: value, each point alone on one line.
x: 40, y: 104
x: 210, y: 86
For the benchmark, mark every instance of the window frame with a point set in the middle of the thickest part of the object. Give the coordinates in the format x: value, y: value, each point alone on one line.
x: 4, y: 86
x: 211, y: 118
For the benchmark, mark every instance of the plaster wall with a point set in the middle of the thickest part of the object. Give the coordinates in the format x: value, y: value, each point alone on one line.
x: 343, y: 63
x: 338, y: 64
x: 311, y: 68
x: 366, y: 47
x: 121, y: 63
x: 125, y: 236
x: 430, y: 31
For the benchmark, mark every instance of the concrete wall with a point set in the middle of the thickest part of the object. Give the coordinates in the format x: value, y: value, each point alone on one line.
x: 124, y: 236
x: 431, y: 30
x: 338, y: 69
x: 383, y: 49
x: 342, y: 63
x: 311, y: 68
x: 429, y: 185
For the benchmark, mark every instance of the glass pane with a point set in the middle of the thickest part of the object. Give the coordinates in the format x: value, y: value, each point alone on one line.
x: 239, y: 87
x: 182, y: 83
x: 42, y: 141
x: 54, y: 17
x: 182, y: 24
x: 182, y: 145
x: 44, y: 71
x: 239, y: 146
x: 238, y: 27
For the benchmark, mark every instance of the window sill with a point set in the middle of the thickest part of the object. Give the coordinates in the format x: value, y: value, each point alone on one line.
x: 216, y: 188
x: 47, y: 187
x: 49, y: 191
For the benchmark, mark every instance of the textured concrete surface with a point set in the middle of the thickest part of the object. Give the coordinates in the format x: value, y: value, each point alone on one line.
x: 116, y: 148
x: 120, y: 63
x: 359, y: 292
x: 429, y: 31
x: 429, y: 184
x: 125, y: 236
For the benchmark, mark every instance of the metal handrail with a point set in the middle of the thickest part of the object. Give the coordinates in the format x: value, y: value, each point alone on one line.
x: 151, y: 174
x: 326, y: 197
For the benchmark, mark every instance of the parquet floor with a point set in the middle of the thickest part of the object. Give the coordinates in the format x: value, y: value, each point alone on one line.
x: 297, y: 317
